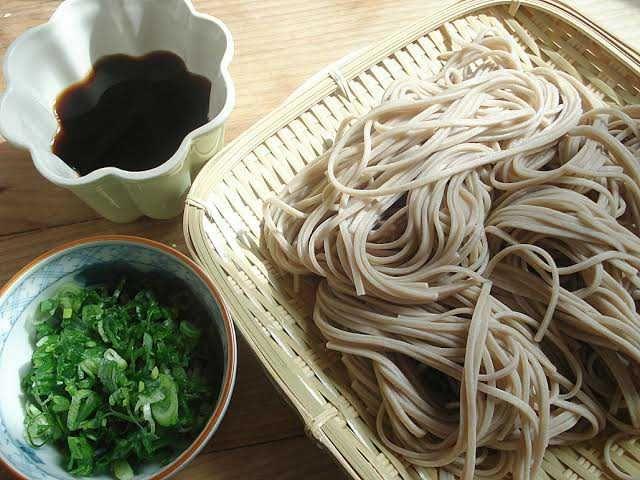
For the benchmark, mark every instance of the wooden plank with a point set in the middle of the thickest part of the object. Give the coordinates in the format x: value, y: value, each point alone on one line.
x: 28, y: 201
x: 18, y: 249
x: 290, y: 459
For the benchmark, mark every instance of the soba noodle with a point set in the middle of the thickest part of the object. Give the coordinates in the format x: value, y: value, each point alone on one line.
x: 477, y: 235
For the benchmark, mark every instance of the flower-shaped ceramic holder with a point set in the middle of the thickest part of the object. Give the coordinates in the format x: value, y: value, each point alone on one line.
x: 45, y: 60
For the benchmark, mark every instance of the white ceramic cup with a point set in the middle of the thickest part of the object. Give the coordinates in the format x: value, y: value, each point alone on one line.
x: 46, y: 59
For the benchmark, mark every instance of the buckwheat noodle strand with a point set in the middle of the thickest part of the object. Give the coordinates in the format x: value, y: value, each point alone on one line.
x: 477, y: 238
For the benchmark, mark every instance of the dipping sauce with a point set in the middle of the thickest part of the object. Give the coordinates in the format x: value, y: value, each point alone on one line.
x: 129, y: 112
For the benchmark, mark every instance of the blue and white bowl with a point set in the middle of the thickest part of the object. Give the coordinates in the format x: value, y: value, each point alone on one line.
x: 84, y: 262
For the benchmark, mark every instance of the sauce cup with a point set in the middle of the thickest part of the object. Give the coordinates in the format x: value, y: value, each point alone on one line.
x: 47, y: 59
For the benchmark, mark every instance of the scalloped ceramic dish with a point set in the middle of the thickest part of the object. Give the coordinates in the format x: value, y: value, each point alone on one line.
x: 46, y: 59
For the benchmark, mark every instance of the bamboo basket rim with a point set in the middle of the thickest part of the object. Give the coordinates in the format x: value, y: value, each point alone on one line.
x: 328, y: 83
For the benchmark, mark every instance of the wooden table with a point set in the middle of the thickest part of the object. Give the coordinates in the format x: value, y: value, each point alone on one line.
x: 279, y: 44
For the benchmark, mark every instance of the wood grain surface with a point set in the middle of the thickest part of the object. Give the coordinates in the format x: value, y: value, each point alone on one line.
x: 279, y: 44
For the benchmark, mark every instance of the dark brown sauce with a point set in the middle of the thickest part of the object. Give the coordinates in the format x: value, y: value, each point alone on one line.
x: 129, y: 112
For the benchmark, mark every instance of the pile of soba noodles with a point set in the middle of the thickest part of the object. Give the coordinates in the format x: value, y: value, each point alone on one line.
x: 477, y: 235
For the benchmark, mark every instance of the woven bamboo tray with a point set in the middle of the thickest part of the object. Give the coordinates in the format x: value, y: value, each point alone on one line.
x: 224, y: 211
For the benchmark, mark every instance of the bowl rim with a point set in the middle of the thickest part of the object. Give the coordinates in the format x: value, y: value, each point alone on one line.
x: 166, y: 167
x: 229, y: 376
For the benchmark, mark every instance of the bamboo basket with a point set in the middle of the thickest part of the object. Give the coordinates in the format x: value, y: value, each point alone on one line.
x: 224, y: 210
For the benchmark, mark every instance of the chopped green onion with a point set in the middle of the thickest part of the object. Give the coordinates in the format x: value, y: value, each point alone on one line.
x: 147, y: 342
x: 189, y: 330
x: 165, y: 411
x: 80, y: 456
x: 60, y: 403
x: 111, y: 355
x: 122, y: 470
x: 108, y: 381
